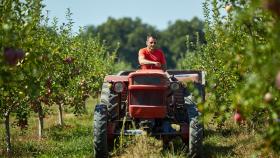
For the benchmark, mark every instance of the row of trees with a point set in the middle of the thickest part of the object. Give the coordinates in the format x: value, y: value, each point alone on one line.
x: 130, y: 35
x: 43, y: 64
x: 241, y: 59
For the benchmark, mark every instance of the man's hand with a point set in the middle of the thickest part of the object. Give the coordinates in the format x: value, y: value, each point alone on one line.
x: 157, y: 64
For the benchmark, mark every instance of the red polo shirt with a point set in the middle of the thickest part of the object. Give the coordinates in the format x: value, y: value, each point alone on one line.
x: 156, y: 55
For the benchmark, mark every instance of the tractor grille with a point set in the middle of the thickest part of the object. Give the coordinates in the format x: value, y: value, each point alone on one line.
x: 148, y: 80
x: 149, y: 97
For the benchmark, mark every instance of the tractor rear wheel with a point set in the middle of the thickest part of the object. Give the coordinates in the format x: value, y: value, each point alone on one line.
x: 110, y: 99
x: 195, y: 130
x: 100, y: 144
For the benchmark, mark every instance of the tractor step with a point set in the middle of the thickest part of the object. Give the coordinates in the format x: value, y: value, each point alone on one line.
x: 142, y: 132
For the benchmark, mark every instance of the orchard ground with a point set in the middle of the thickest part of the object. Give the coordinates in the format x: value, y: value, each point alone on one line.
x: 74, y: 139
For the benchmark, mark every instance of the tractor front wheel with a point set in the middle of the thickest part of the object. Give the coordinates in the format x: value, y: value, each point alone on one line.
x: 100, y: 144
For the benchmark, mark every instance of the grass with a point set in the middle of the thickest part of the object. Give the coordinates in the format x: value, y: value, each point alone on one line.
x: 74, y: 139
x: 144, y: 146
x: 231, y: 141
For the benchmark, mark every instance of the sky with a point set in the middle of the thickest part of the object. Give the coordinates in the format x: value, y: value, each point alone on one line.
x: 157, y: 13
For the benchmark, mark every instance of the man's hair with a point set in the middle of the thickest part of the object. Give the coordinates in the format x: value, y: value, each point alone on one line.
x: 150, y: 35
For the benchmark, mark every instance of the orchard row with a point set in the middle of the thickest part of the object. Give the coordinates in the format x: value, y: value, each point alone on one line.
x: 241, y: 59
x: 44, y: 64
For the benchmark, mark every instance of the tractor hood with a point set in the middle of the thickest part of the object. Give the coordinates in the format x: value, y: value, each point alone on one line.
x: 147, y: 72
x: 124, y: 78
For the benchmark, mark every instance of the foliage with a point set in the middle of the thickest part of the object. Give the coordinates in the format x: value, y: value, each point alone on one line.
x: 241, y: 60
x: 125, y: 32
x: 175, y: 37
x: 130, y: 35
x: 43, y: 62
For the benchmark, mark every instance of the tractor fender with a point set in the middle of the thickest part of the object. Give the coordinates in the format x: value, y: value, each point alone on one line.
x: 116, y: 78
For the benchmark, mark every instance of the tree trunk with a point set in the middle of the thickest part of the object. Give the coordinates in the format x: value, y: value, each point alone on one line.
x: 60, y: 114
x: 41, y: 121
x: 8, y: 134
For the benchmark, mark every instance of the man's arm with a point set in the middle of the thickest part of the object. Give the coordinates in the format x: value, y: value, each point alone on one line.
x: 142, y: 61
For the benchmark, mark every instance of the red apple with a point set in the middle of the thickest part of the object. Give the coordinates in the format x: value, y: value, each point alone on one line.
x: 237, y: 117
x: 69, y: 60
x: 20, y: 54
x: 277, y: 80
x: 12, y: 56
x: 272, y: 5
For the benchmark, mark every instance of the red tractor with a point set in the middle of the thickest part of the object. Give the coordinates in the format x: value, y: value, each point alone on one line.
x: 150, y: 101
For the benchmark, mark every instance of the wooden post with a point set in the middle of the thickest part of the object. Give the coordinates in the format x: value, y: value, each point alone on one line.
x: 60, y: 114
x: 41, y: 120
x: 8, y: 134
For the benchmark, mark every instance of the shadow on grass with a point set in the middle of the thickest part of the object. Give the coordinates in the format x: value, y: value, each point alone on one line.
x: 19, y: 149
x: 224, y: 132
x: 178, y: 148
x: 213, y: 150
x: 65, y: 133
x: 215, y: 147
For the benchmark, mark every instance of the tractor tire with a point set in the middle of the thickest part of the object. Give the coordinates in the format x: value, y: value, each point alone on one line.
x: 100, y: 144
x: 110, y: 99
x: 195, y: 130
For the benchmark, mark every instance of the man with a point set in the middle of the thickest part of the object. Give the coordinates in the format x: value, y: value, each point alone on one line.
x: 151, y: 57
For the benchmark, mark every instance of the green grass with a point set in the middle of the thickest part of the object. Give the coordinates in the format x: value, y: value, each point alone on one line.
x: 74, y: 139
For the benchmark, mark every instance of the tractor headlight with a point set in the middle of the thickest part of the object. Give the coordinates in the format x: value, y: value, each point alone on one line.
x: 174, y: 86
x: 118, y: 87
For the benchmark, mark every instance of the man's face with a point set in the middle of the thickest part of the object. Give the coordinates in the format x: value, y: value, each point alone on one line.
x: 151, y: 43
